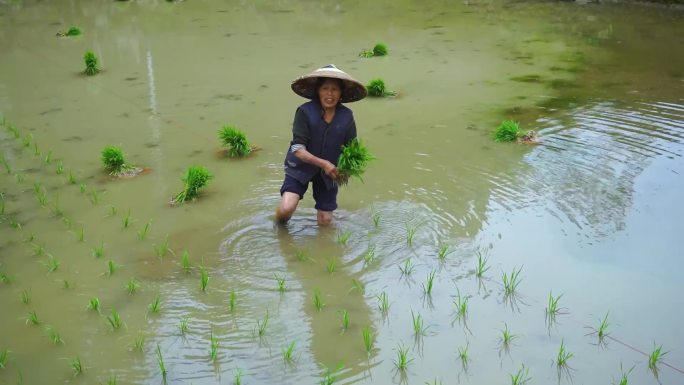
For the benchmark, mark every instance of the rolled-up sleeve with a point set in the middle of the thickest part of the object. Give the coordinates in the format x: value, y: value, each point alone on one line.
x: 301, y: 133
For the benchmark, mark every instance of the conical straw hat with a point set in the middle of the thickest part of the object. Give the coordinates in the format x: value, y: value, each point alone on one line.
x: 305, y: 86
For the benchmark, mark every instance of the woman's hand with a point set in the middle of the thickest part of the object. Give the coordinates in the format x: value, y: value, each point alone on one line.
x: 330, y: 170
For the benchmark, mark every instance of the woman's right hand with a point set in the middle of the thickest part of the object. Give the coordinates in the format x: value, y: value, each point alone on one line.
x: 330, y: 170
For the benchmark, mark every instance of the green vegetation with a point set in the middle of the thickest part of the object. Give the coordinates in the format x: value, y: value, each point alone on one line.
x: 194, y: 179
x: 183, y: 325
x: 345, y: 319
x: 204, y: 279
x: 73, y: 31
x: 410, y: 234
x: 403, y: 359
x: 160, y: 362
x: 427, y: 286
x: 232, y: 301
x: 280, y: 281
x: 331, y: 266
x: 367, y: 339
x: 317, y: 300
x: 563, y: 356
x: 481, y: 264
x: 98, y: 251
x: 507, y: 131
x: 76, y: 365
x: 132, y: 286
x: 185, y: 261
x: 376, y: 219
x: 655, y: 358
x: 463, y: 356
x: 288, y: 353
x: 94, y: 304
x: 261, y: 325
x: 379, y: 49
x: 369, y: 255
x: 4, y: 357
x: 114, y: 320
x: 506, y: 338
x: 442, y: 252
x: 142, y: 233
x: 112, y: 267
x: 357, y: 285
x: 511, y: 282
x: 522, y: 376
x: 54, y: 335
x: 90, y: 60
x: 461, y: 307
x: 113, y: 161
x: 26, y: 296
x: 213, y: 346
x: 376, y: 88
x: 155, y: 306
x: 343, y: 237
x: 353, y: 161
x: 407, y: 267
x: 383, y: 303
x: 602, y: 331
x: 552, y: 309
x: 139, y: 342
x: 126, y: 220
x: 419, y: 329
x: 237, y: 379
x: 162, y: 248
x: 236, y: 141
x: 52, y: 264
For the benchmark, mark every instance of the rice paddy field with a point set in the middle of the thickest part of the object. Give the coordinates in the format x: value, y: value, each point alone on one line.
x: 457, y: 260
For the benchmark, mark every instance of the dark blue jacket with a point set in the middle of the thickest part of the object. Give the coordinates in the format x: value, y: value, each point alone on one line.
x: 325, y: 141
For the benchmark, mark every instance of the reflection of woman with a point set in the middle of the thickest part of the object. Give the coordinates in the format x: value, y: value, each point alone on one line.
x: 321, y: 127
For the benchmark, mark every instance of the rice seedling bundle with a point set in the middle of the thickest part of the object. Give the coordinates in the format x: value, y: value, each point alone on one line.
x: 113, y: 161
x: 194, y: 179
x: 236, y: 141
x: 376, y: 88
x: 353, y: 161
x: 507, y: 131
x: 90, y: 60
x: 73, y: 31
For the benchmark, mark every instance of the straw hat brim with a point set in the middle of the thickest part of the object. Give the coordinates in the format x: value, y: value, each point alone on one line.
x: 305, y: 86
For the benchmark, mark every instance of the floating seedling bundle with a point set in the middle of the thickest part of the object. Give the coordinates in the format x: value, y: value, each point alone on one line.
x: 353, y: 161
x: 509, y: 131
x: 194, y: 179
x: 236, y: 142
x: 113, y: 161
x: 90, y: 60
x: 379, y: 49
x: 377, y: 88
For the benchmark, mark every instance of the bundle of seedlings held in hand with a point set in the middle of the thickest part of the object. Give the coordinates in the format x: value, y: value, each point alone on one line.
x: 353, y: 161
x: 235, y: 141
x: 113, y: 161
x: 194, y: 179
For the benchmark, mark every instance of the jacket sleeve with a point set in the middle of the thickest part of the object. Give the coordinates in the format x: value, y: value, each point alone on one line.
x: 301, y: 133
x: 351, y: 132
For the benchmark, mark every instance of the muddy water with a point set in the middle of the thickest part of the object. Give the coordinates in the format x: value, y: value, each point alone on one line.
x: 592, y: 212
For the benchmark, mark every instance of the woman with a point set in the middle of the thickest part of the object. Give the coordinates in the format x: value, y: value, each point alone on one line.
x: 321, y: 127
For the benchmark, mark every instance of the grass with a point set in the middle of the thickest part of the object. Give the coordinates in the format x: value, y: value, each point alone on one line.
x: 76, y: 365
x: 52, y: 264
x: 90, y: 60
x: 160, y: 362
x: 214, y: 345
x: 261, y: 325
x: 183, y: 326
x: 112, y: 267
x: 204, y: 279
x: 353, y: 161
x: 402, y: 362
x: 563, y: 357
x: 132, y: 286
x: 410, y: 234
x: 343, y: 237
x: 331, y: 266
x: 344, y: 319
x: 522, y: 376
x: 114, y: 320
x: 155, y: 305
x: 26, y: 296
x: 280, y: 282
x: 142, y: 233
x: 377, y: 88
x: 511, y: 282
x: 481, y: 264
x: 162, y: 248
x: 383, y: 302
x: 236, y: 141
x: 185, y: 262
x: 139, y: 342
x: 98, y: 251
x: 507, y: 131
x: 317, y: 300
x: 126, y: 220
x: 232, y: 301
x: 429, y: 282
x: 463, y: 356
x: 54, y: 335
x: 655, y: 358
x: 288, y: 352
x: 94, y: 304
x: 368, y: 337
x: 112, y: 158
x: 419, y: 327
x: 407, y: 267
x: 195, y: 178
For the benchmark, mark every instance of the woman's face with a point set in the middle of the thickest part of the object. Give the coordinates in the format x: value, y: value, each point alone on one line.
x: 329, y: 93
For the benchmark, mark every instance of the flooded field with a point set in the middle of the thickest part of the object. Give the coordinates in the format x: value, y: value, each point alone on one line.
x: 442, y: 267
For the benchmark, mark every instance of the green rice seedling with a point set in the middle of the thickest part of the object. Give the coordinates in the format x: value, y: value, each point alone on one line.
x: 4, y: 278
x: 8, y: 168
x: 369, y: 255
x: 57, y: 209
x: 602, y: 331
x: 552, y: 308
x: 507, y: 338
x: 403, y: 360
x: 522, y: 376
x: 14, y: 223
x: 236, y: 141
x: 73, y: 31
x: 67, y: 222
x: 366, y: 53
x: 357, y: 286
x: 237, y: 379
x: 2, y: 207
x: 112, y: 211
x: 353, y: 161
x: 288, y: 353
x: 261, y: 325
x: 82, y: 188
x: 280, y: 282
x: 36, y: 150
x: 461, y: 307
x: 204, y: 279
x: 383, y: 303
x: 4, y: 357
x: 655, y: 358
x: 142, y: 233
x: 329, y: 376
x: 48, y: 157
x: 410, y: 234
x: 38, y: 250
x: 28, y: 139
x: 112, y: 380
x: 463, y: 356
x: 60, y: 168
x: 214, y: 345
x: 163, y: 247
x: 419, y: 327
x: 562, y: 359
x: 94, y: 304
x: 112, y: 267
x: 317, y: 300
x: 185, y: 261
x: 52, y: 264
x: 113, y: 161
x: 155, y: 306
x: 507, y: 131
x: 301, y: 255
x: 377, y: 88
x: 90, y: 60
x: 442, y: 252
x: 344, y: 319
x: 37, y: 187
x: 66, y: 284
x: 98, y: 251
x: 511, y: 282
x: 232, y: 301
x: 331, y: 266
x: 80, y: 236
x: 71, y: 178
x: 429, y: 282
x: 160, y: 362
x: 624, y: 377
x: 343, y: 237
x: 376, y: 219
x: 380, y: 49
x: 114, y: 320
x: 32, y: 318
x: 407, y: 267
x: 183, y: 326
x: 195, y: 178
x: 21, y: 178
x: 126, y: 220
x: 481, y: 264
x: 54, y: 335
x: 139, y: 342
x: 26, y: 296
x: 31, y: 237
x: 41, y: 197
x: 368, y: 338
x: 94, y: 196
x: 76, y: 365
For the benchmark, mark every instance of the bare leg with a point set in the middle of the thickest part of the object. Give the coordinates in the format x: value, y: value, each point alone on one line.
x: 287, y: 207
x: 324, y: 217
